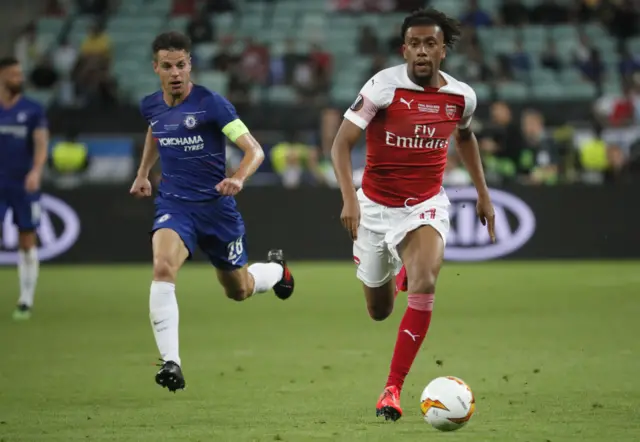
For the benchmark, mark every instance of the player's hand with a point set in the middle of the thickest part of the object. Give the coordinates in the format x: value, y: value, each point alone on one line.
x: 32, y: 181
x: 487, y: 216
x: 141, y: 187
x: 350, y: 218
x: 229, y: 186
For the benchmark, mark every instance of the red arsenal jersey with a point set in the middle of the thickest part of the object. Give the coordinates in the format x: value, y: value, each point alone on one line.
x: 408, y: 128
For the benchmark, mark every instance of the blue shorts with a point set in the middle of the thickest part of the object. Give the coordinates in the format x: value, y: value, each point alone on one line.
x: 216, y: 227
x: 25, y: 207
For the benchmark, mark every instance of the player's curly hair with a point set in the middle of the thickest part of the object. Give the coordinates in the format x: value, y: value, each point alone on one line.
x: 451, y: 28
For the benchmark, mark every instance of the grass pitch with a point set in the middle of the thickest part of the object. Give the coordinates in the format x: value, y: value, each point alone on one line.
x: 551, y: 351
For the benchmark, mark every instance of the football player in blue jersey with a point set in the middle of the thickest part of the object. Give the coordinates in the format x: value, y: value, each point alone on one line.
x: 24, y: 138
x: 195, y: 205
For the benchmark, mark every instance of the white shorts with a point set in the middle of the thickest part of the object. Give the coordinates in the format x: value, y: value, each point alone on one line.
x: 383, y: 228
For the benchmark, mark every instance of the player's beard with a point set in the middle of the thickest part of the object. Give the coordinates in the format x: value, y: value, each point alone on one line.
x: 423, y: 78
x: 14, y: 89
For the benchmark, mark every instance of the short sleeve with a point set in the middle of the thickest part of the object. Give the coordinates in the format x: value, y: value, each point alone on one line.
x: 39, y: 118
x: 374, y: 95
x: 224, y: 115
x: 221, y: 110
x: 470, y: 103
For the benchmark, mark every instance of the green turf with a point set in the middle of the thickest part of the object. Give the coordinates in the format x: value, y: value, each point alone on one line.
x: 551, y: 351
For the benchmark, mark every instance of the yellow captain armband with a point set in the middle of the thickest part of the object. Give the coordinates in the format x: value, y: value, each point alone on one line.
x: 235, y: 130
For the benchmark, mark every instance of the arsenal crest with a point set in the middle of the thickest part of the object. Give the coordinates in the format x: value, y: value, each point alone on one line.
x: 450, y: 110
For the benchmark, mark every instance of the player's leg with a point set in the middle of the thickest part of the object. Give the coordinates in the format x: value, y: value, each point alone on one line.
x: 375, y: 272
x: 26, y: 217
x: 422, y: 251
x: 241, y: 281
x: 172, y: 239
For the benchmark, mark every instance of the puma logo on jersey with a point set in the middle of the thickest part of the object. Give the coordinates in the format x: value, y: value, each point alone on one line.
x: 408, y: 103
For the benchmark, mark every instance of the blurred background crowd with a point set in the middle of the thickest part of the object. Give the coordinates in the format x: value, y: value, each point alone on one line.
x: 558, y: 81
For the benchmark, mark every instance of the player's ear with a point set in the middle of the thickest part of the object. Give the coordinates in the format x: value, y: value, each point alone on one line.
x: 404, y: 51
x: 444, y: 52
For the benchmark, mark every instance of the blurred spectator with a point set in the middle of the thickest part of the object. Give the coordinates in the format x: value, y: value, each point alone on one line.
x: 549, y: 59
x: 593, y: 158
x: 368, y: 41
x: 623, y: 19
x: 92, y: 7
x: 540, y: 157
x: 239, y: 86
x: 476, y: 69
x: 291, y: 59
x: 64, y: 57
x: 455, y: 174
x: 97, y: 42
x: 27, y: 48
x: 520, y: 60
x: 322, y: 66
x: 255, y: 61
x: 476, y: 17
x: 55, y: 8
x: 378, y: 63
x: 501, y: 141
x: 513, y: 13
x: 588, y: 61
x: 43, y: 75
x: 395, y: 42
x: 200, y: 29
x: 225, y: 57
x: 69, y: 157
x: 629, y: 63
x: 549, y: 12
x: 296, y: 161
x: 219, y: 6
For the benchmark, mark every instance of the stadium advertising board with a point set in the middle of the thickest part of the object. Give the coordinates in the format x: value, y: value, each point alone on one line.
x: 104, y: 224
x: 58, y: 231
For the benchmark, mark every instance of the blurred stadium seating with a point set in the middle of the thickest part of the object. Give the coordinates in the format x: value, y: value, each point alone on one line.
x: 576, y: 55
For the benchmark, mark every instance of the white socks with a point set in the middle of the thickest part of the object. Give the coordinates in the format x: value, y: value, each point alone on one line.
x: 163, y: 312
x: 265, y: 275
x: 163, y: 307
x: 28, y: 267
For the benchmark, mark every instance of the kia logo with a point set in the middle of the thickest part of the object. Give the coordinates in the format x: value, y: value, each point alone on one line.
x: 59, y: 229
x: 468, y: 239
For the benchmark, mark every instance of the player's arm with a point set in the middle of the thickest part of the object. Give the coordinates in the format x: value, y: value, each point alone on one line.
x: 344, y: 142
x: 40, y: 151
x: 141, y: 185
x: 469, y: 152
x: 374, y: 95
x: 41, y: 146
x: 252, y: 157
x: 149, y: 155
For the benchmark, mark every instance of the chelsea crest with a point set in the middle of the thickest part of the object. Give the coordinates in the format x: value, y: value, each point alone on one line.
x: 190, y: 122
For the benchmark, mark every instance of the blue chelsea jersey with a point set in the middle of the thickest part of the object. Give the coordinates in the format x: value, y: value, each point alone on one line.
x: 17, y: 125
x: 191, y: 142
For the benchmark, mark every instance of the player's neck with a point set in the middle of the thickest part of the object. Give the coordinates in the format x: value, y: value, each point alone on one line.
x: 8, y: 99
x: 174, y: 101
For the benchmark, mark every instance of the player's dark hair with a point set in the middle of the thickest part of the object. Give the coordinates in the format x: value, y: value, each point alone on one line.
x: 6, y: 62
x: 451, y: 28
x: 171, y: 41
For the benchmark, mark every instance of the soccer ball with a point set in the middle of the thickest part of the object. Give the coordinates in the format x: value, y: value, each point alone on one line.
x: 447, y: 403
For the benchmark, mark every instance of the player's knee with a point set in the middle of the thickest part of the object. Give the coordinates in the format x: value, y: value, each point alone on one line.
x: 164, y: 269
x: 238, y: 293
x: 380, y: 312
x: 423, y: 281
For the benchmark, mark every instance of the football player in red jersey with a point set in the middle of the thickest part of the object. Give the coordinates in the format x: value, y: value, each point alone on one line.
x: 399, y: 219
